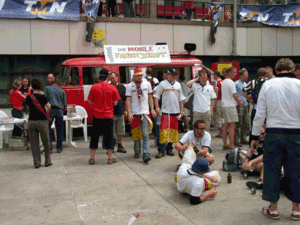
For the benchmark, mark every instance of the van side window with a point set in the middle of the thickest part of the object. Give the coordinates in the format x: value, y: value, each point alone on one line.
x: 90, y: 75
x: 126, y: 73
x: 74, y: 76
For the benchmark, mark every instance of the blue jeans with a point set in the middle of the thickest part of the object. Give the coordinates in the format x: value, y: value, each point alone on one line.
x: 156, y: 129
x: 145, y: 133
x: 188, y: 13
x: 57, y: 114
x: 163, y: 148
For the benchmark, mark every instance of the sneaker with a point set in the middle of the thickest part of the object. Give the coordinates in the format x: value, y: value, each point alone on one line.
x: 295, y: 215
x: 136, y: 156
x: 272, y: 214
x: 159, y: 155
x: 170, y: 153
x: 147, y: 158
x: 121, y: 149
x: 59, y: 150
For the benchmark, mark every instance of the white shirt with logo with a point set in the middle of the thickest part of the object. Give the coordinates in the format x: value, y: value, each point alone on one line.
x: 138, y: 107
x: 203, y: 96
x: 192, y: 184
x: 189, y: 137
x: 228, y: 89
x: 171, y: 94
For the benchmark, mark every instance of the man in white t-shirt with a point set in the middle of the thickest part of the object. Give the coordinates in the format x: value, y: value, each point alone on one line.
x: 229, y: 102
x: 138, y: 98
x: 170, y: 92
x: 198, y: 138
x: 204, y: 98
x: 190, y: 180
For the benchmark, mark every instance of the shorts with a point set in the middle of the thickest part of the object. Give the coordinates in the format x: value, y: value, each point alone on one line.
x: 230, y: 114
x: 119, y: 125
x: 105, y: 127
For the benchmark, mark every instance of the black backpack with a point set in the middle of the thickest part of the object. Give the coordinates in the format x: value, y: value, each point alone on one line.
x: 232, y: 162
x: 255, y: 92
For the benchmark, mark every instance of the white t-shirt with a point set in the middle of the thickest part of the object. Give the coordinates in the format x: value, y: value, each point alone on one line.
x: 228, y: 89
x: 198, y: 142
x: 171, y: 96
x: 138, y: 107
x: 202, y: 97
x: 279, y: 102
x: 193, y: 185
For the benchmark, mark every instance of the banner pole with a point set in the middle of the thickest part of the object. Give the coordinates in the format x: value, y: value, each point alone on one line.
x: 234, y: 41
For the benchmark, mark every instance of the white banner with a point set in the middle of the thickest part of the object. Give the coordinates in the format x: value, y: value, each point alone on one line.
x: 126, y: 54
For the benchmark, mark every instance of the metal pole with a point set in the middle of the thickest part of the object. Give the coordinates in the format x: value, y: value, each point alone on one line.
x: 173, y: 5
x: 141, y: 7
x: 234, y: 42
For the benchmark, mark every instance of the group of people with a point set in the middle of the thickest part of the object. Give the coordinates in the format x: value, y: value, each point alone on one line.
x: 41, y: 108
x: 150, y: 104
x: 112, y: 8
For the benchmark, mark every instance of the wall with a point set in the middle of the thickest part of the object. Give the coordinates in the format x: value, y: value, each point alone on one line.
x: 44, y: 37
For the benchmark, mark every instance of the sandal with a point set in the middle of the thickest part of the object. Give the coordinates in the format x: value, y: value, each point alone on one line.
x: 91, y: 161
x: 272, y: 214
x: 225, y: 147
x: 111, y: 161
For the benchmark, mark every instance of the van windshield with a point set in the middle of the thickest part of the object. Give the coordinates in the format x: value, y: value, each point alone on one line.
x: 63, y: 76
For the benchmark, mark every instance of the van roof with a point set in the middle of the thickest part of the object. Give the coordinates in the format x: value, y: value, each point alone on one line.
x: 100, y: 60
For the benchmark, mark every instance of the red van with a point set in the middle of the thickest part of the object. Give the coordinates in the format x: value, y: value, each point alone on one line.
x: 79, y: 74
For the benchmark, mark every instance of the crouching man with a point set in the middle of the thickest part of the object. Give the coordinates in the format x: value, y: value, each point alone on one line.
x: 192, y: 180
x: 198, y: 138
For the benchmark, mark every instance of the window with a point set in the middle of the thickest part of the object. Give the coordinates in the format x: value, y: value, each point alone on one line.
x: 63, y: 76
x: 74, y: 76
x: 126, y: 73
x: 90, y: 75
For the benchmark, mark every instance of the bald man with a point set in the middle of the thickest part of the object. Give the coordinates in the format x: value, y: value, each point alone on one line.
x: 57, y: 98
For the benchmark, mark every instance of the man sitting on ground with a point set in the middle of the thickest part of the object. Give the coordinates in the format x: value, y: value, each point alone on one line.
x: 198, y: 138
x: 254, y: 161
x: 191, y: 180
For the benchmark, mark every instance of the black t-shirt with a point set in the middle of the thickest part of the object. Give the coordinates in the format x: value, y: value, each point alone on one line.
x: 119, y: 109
x: 34, y: 113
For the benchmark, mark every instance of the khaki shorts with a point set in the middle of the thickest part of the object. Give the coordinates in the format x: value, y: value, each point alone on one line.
x: 230, y: 114
x: 119, y: 125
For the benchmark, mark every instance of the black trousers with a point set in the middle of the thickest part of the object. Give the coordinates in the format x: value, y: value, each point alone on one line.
x: 105, y: 127
x: 16, y: 113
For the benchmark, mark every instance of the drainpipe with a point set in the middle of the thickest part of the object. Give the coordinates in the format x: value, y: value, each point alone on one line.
x: 234, y: 41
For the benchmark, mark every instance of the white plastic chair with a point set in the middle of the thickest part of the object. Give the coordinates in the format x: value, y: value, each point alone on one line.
x: 81, y: 112
x: 5, y: 129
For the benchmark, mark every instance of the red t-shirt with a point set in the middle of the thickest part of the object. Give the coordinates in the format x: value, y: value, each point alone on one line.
x: 188, y: 4
x: 16, y: 98
x: 103, y: 95
x: 218, y: 85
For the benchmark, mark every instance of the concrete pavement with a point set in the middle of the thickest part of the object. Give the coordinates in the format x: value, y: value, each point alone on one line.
x: 74, y: 192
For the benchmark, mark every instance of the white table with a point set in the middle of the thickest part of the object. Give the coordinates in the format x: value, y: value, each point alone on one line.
x: 69, y: 132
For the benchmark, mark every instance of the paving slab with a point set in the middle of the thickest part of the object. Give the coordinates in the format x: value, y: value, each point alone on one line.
x: 74, y: 192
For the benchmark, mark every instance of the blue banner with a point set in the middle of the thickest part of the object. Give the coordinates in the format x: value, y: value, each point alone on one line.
x: 91, y: 7
x: 216, y: 9
x: 283, y: 16
x: 45, y: 9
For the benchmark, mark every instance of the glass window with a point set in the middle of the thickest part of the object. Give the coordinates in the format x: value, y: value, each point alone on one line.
x: 90, y: 75
x: 126, y: 73
x: 74, y: 76
x: 63, y: 76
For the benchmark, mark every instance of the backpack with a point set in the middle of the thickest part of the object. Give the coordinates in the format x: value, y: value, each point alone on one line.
x: 232, y: 162
x: 258, y: 84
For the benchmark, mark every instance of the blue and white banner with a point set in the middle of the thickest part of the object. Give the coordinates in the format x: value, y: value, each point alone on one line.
x: 216, y: 9
x: 283, y: 16
x: 45, y: 9
x: 91, y: 7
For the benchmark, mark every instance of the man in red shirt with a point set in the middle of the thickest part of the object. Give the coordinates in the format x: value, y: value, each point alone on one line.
x: 104, y: 97
x: 218, y: 107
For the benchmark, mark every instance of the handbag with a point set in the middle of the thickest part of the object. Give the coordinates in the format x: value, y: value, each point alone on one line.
x: 39, y: 107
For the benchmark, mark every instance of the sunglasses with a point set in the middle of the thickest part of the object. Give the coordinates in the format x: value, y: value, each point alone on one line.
x: 201, y: 128
x: 263, y: 133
